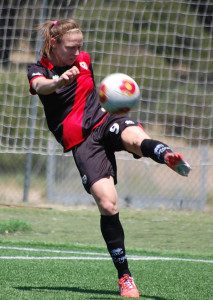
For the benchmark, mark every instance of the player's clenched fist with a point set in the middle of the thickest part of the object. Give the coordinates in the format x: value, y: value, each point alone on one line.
x: 68, y: 76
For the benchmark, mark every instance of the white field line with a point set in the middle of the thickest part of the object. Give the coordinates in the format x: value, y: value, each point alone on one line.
x: 55, y: 251
x: 96, y: 256
x: 56, y: 257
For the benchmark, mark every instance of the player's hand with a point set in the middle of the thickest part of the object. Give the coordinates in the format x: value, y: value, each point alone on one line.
x: 70, y: 75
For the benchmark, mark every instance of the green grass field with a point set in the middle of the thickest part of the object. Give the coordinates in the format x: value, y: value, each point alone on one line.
x: 61, y: 255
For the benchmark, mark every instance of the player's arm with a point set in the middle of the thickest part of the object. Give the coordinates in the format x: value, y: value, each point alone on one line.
x: 44, y: 86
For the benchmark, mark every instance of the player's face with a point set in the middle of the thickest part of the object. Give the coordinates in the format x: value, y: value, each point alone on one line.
x: 68, y: 49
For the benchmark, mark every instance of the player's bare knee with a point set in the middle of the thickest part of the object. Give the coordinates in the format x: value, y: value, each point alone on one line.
x: 132, y: 138
x: 108, y: 208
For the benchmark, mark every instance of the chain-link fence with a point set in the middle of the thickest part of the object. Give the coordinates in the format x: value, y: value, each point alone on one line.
x: 166, y: 46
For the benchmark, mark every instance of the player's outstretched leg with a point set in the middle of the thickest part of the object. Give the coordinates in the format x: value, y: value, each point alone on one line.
x: 162, y: 154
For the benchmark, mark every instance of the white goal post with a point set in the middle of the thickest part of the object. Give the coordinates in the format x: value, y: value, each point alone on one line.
x: 166, y: 46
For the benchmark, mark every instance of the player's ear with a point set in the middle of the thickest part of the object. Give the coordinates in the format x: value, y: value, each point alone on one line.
x: 53, y: 42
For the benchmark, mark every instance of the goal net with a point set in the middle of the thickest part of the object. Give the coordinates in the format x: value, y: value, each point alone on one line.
x: 166, y: 46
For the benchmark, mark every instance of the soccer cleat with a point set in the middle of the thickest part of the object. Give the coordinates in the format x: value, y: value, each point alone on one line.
x: 127, y: 287
x: 176, y: 162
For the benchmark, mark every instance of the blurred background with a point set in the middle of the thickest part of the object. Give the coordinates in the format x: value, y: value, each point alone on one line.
x: 166, y: 46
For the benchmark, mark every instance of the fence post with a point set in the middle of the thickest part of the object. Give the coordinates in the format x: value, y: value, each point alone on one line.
x: 203, y: 175
x: 33, y: 118
x: 51, y: 169
x: 29, y: 154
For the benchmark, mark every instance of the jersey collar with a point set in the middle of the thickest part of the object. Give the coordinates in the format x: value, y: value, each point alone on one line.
x: 46, y: 63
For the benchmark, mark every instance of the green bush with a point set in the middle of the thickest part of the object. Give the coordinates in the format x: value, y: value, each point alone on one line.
x: 14, y: 225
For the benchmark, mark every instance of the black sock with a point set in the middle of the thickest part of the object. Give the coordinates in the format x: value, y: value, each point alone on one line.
x: 155, y: 150
x: 113, y: 235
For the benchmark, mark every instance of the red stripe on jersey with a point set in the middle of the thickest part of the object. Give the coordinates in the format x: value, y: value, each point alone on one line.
x: 72, y: 125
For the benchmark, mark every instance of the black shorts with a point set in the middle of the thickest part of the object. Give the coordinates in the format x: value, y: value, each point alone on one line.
x: 94, y: 157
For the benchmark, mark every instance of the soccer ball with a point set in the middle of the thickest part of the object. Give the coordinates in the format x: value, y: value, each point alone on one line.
x: 118, y: 93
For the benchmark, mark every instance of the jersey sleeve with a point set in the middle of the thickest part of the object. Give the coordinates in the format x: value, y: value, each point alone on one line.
x: 34, y: 72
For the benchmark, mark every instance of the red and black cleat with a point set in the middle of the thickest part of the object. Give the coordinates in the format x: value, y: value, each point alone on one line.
x: 176, y: 162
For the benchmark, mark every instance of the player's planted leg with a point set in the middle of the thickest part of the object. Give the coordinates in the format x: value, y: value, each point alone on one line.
x: 113, y: 235
x: 112, y: 231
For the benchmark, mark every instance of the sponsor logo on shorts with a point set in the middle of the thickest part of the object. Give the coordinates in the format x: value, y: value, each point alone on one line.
x: 129, y: 122
x: 84, y: 179
x: 115, y: 128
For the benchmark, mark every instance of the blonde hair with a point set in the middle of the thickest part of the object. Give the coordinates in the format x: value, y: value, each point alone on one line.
x: 55, y: 29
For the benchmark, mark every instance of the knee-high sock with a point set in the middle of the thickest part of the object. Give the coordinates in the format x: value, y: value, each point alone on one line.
x: 155, y: 150
x: 113, y: 235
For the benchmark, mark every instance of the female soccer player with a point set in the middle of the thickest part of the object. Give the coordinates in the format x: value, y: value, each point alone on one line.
x: 64, y: 82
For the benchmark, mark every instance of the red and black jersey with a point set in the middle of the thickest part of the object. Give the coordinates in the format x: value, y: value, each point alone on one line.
x: 72, y: 111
